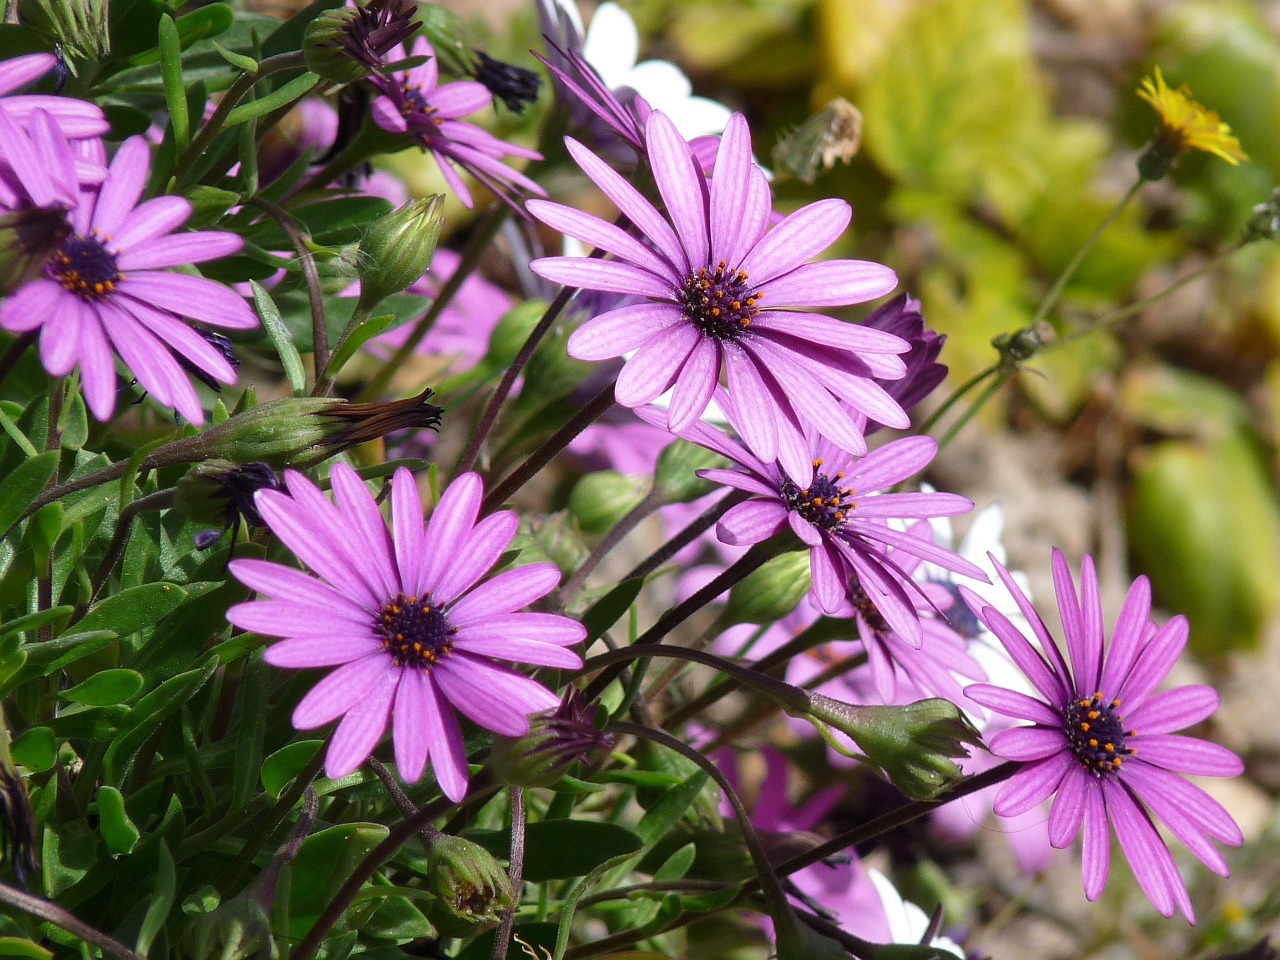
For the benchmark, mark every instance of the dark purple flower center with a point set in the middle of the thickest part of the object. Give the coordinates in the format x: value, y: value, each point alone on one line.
x: 824, y: 503
x: 413, y: 632
x: 413, y: 104
x: 1095, y: 730
x: 959, y: 617
x: 85, y: 267
x: 719, y: 302
x: 868, y: 611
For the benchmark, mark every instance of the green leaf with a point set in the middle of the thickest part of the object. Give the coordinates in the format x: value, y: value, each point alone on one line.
x: 560, y: 849
x: 295, y: 89
x: 279, y: 769
x: 326, y: 859
x: 33, y: 621
x: 606, y: 611
x: 36, y: 749
x: 280, y: 338
x: 23, y: 485
x: 66, y: 854
x: 247, y: 64
x: 147, y: 715
x: 126, y: 120
x: 175, y: 95
x: 360, y: 337
x: 330, y: 222
x: 18, y: 947
x: 161, y: 900
x: 73, y: 425
x: 397, y: 919
x: 118, y: 831
x: 208, y: 21
x: 133, y: 609
x: 105, y: 688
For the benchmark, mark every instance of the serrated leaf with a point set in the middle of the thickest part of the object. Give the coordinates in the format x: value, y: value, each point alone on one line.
x: 105, y: 688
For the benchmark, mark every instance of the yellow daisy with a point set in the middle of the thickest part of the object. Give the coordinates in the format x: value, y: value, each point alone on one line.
x: 1185, y: 125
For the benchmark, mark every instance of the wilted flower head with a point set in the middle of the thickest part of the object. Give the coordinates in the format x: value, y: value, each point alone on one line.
x: 831, y: 134
x: 221, y: 492
x: 1102, y: 739
x: 1184, y: 125
x: 17, y: 824
x: 469, y: 884
x: 517, y: 87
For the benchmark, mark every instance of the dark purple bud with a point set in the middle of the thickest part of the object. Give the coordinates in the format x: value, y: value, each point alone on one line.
x: 514, y: 86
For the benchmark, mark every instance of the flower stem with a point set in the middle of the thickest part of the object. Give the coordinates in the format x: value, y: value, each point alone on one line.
x: 359, y: 317
x: 476, y: 247
x: 955, y: 397
x: 515, y: 873
x: 974, y: 407
x: 540, y: 457
x: 235, y: 93
x: 686, y: 536
x: 49, y: 912
x: 315, y: 296
x: 1060, y: 284
x: 490, y: 415
x: 617, y: 533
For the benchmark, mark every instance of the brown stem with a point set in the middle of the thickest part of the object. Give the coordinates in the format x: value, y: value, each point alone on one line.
x: 686, y: 536
x: 635, y: 516
x: 42, y: 909
x: 515, y: 872
x: 319, y: 329
x: 589, y: 414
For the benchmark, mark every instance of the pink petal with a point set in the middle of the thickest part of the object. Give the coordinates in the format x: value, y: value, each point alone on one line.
x: 407, y: 522
x: 695, y: 385
x: 1027, y: 743
x: 1096, y: 863
x: 1150, y: 859
x: 681, y: 185
x: 495, y: 697
x: 1165, y: 806
x: 180, y: 250
x: 798, y: 238
x: 1011, y: 703
x: 732, y: 233
x: 1186, y: 755
x: 830, y: 283
x: 1174, y: 710
x: 409, y: 719
x: 97, y: 371
x: 32, y: 305
x: 598, y: 233
x: 194, y: 297
x: 653, y: 368
x: 622, y: 330
x: 751, y: 522
x: 485, y: 544
x: 286, y: 583
x: 1153, y: 664
x: 1126, y: 639
x: 1069, y: 808
x: 373, y: 542
x: 126, y: 178
x: 308, y: 652
x: 521, y: 651
x: 148, y: 223
x: 450, y: 522
x: 60, y: 335
x: 544, y: 628
x: 362, y: 728
x: 753, y: 402
x: 448, y: 755
x: 1032, y: 784
x: 341, y: 690
x: 505, y: 593
x: 610, y: 276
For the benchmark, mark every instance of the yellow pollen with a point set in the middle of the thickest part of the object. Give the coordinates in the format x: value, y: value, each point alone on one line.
x: 1084, y: 727
x: 1093, y: 743
x: 1109, y: 747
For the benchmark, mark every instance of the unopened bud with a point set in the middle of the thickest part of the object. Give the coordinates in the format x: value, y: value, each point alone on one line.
x: 17, y: 821
x: 555, y: 741
x: 303, y: 431
x: 832, y: 134
x: 348, y: 43
x: 913, y: 746
x: 1264, y: 220
x: 1021, y: 345
x: 468, y: 883
x: 677, y: 469
x: 515, y: 86
x: 79, y: 25
x: 599, y: 500
x: 397, y: 249
x: 770, y: 592
x: 219, y: 491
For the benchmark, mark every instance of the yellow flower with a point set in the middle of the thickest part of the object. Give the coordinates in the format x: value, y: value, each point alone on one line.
x: 1185, y: 125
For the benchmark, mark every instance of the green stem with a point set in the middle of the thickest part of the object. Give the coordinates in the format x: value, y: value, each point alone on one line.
x: 974, y: 407
x: 315, y: 295
x: 235, y: 93
x: 955, y: 397
x: 359, y: 317
x: 616, y: 534
x: 1055, y: 291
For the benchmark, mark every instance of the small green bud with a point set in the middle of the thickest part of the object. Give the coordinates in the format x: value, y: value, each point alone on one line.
x: 1264, y: 220
x: 79, y: 25
x: 237, y: 930
x: 770, y: 592
x: 397, y: 249
x: 28, y: 238
x: 600, y: 500
x: 348, y: 43
x: 832, y: 134
x: 911, y: 745
x: 303, y: 431
x: 1021, y: 345
x: 552, y: 745
x: 448, y: 35
x: 468, y: 883
x: 676, y: 472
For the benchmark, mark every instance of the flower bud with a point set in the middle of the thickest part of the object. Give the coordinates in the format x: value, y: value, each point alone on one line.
x: 770, y: 592
x: 1264, y: 220
x: 303, y: 431
x: 552, y: 745
x: 469, y: 885
x: 600, y: 500
x: 677, y: 471
x: 79, y: 25
x: 397, y: 249
x: 348, y: 43
x: 220, y: 492
x: 1021, y: 345
x: 237, y: 930
x: 911, y: 745
x: 448, y: 36
x: 514, y: 86
x: 832, y: 134
x: 28, y: 238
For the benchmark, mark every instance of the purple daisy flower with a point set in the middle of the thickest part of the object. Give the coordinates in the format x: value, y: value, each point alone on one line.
x: 107, y: 287
x: 1105, y: 764
x: 404, y: 618
x: 830, y: 507
x: 414, y: 103
x: 78, y: 119
x: 723, y: 291
x: 901, y: 316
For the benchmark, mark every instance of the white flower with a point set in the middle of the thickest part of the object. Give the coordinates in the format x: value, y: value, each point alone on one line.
x: 908, y: 924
